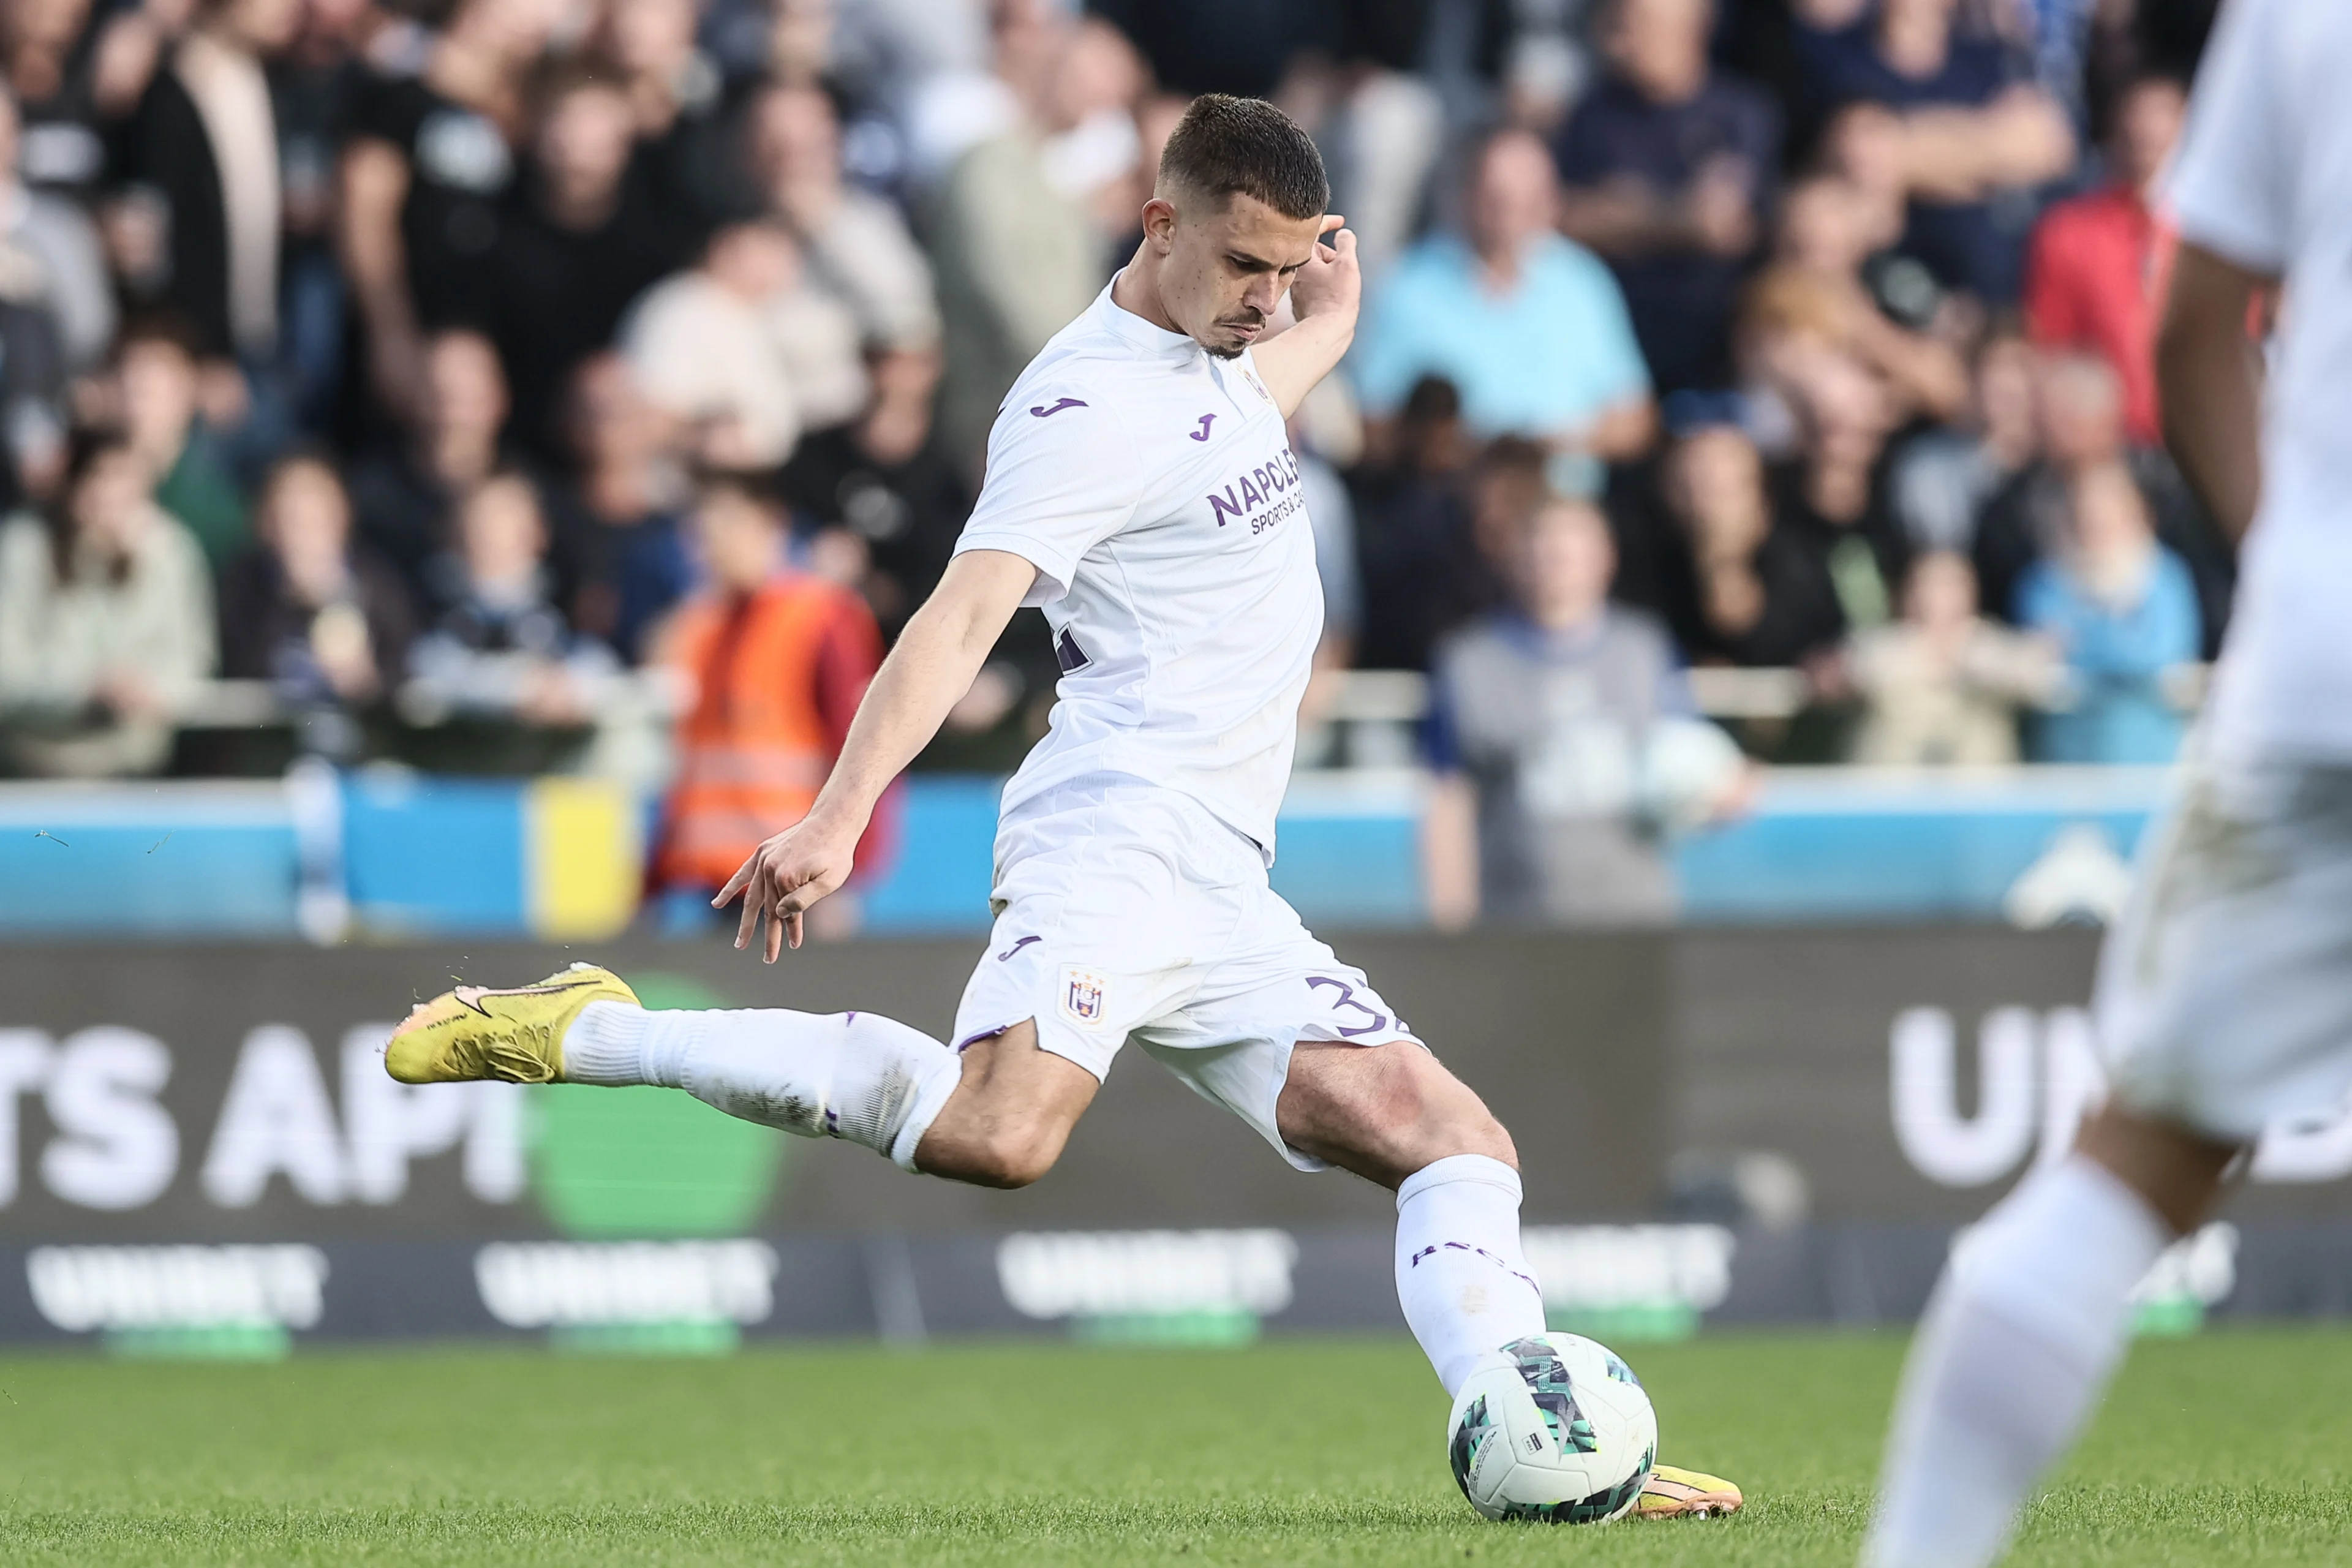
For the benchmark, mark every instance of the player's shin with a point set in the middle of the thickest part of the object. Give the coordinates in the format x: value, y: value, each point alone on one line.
x: 1463, y: 1283
x: 2021, y: 1335
x: 856, y: 1076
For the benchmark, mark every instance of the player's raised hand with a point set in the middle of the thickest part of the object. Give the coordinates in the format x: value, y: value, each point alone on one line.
x: 1330, y: 283
x: 783, y: 877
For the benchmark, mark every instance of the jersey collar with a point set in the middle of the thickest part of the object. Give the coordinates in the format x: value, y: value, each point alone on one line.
x: 1135, y: 331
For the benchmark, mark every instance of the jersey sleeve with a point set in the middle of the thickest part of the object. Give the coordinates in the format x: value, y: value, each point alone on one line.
x: 2231, y: 186
x: 1063, y: 475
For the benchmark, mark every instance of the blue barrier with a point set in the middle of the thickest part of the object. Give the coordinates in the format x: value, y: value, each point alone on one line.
x: 938, y: 881
x: 1839, y: 844
x: 417, y: 855
x: 1348, y: 851
x: 147, y: 861
x: 434, y: 855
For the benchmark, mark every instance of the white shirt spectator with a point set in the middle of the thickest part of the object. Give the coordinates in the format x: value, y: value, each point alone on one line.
x: 746, y: 350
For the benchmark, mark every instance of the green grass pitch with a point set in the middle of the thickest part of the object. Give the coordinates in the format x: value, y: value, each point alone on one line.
x: 2233, y: 1449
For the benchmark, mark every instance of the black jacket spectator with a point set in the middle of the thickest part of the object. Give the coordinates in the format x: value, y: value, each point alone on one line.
x: 459, y: 169
x: 205, y: 142
x: 1995, y: 137
x: 618, y: 555
x: 1737, y: 583
x: 1424, y: 572
x: 1669, y: 165
x: 887, y: 479
x: 572, y: 255
x: 402, y: 490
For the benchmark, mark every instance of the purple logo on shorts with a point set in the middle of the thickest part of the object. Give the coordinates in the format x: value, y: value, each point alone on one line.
x: 1043, y: 413
x: 1083, y: 997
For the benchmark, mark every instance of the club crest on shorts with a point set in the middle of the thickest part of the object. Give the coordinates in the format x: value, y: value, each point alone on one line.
x: 1082, y: 996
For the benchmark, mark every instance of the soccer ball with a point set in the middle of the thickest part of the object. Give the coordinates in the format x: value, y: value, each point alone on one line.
x: 1553, y: 1428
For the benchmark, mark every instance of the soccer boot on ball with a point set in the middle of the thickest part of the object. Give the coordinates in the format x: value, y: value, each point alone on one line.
x: 1672, y: 1493
x: 477, y: 1031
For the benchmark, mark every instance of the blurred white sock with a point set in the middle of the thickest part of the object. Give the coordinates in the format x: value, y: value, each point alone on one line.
x: 1461, y: 1280
x: 857, y: 1075
x: 2020, y: 1339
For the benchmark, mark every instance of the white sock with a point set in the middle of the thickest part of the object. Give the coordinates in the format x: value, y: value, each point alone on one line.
x: 857, y: 1075
x: 1464, y: 1285
x: 2018, y: 1340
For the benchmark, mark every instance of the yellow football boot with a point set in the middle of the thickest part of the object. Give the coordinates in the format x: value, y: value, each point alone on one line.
x: 1670, y: 1493
x: 474, y: 1032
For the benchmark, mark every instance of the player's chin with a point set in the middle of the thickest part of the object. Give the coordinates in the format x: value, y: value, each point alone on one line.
x: 1232, y: 339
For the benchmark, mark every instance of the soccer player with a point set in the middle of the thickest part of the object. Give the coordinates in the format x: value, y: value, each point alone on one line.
x: 2225, y: 992
x: 1141, y: 489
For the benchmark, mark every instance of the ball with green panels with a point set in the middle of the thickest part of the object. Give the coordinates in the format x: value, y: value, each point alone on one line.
x: 1554, y: 1428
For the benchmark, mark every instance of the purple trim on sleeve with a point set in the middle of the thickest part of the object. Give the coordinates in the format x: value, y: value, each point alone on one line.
x: 979, y: 1035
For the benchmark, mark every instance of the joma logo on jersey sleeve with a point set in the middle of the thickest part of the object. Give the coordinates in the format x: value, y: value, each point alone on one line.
x: 1272, y: 485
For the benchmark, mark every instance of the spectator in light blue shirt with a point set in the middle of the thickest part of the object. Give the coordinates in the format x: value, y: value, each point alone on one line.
x: 2124, y: 610
x: 1530, y: 326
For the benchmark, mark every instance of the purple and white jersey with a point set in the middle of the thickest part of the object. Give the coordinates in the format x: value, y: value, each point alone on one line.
x: 1153, y: 488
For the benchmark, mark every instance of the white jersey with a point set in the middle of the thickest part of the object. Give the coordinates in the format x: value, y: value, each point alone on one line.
x: 2264, y: 179
x: 1153, y: 488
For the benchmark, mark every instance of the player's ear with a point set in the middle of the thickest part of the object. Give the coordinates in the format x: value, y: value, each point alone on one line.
x: 1159, y: 223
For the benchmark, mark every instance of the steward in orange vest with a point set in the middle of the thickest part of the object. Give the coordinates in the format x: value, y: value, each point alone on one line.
x: 775, y: 663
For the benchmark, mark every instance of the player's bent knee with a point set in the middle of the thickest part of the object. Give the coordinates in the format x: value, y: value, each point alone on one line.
x: 1010, y: 1115
x: 1002, y: 1157
x: 1015, y: 1163
x: 1446, y: 1117
x: 1385, y: 1111
x: 1484, y: 1135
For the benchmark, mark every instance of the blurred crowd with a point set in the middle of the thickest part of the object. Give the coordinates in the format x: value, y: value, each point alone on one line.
x: 497, y: 379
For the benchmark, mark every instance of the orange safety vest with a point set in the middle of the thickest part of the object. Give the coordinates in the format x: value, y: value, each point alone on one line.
x: 753, y: 750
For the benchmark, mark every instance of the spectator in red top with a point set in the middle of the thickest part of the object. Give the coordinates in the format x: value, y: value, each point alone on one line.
x: 2096, y: 268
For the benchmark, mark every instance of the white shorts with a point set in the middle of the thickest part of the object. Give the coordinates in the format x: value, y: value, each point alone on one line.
x: 1124, y: 910
x: 2225, y: 990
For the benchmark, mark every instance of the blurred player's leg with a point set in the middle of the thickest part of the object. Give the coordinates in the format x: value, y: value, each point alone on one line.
x: 2018, y: 1340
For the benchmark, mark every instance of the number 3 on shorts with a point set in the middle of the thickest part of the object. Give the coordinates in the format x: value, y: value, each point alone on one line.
x: 1347, y: 999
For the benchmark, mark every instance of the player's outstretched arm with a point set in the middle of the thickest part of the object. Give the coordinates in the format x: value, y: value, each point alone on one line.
x: 1325, y: 296
x: 2208, y: 381
x: 937, y: 657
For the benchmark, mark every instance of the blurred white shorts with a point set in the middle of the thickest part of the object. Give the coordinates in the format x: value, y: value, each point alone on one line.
x: 1128, y: 911
x: 2225, y: 990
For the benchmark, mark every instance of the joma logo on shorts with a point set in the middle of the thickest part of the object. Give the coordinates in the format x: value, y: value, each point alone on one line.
x: 1277, y: 479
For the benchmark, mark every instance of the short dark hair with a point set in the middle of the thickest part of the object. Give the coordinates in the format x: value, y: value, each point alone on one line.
x: 1226, y: 145
x: 158, y: 324
x: 755, y: 486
